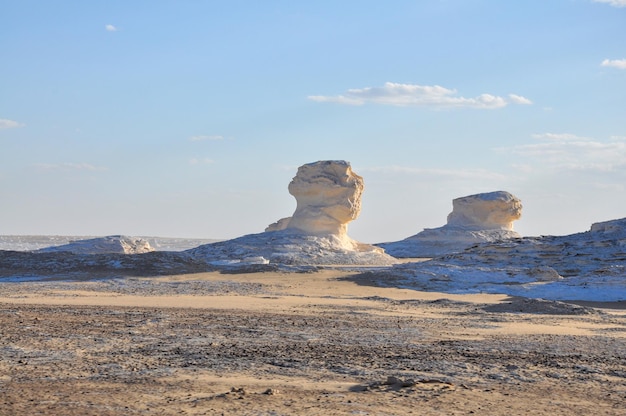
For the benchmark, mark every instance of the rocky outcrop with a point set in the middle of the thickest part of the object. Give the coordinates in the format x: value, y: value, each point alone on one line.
x: 116, y: 244
x: 585, y: 266
x: 474, y: 219
x: 328, y: 195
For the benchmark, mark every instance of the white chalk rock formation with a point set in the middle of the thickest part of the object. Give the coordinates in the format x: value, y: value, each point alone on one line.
x: 115, y: 244
x: 474, y: 219
x: 328, y: 195
x: 488, y: 211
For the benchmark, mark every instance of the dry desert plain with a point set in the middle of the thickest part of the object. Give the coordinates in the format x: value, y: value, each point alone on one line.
x: 327, y: 342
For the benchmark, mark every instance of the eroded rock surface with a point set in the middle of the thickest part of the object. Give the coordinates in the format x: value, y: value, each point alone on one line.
x: 585, y: 266
x: 474, y: 219
x: 487, y: 211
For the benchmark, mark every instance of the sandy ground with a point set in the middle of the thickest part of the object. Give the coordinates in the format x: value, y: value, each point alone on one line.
x: 320, y: 343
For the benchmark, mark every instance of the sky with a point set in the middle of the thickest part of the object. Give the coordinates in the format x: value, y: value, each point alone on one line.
x: 190, y: 118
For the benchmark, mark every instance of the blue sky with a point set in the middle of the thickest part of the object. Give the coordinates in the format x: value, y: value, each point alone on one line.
x: 189, y: 118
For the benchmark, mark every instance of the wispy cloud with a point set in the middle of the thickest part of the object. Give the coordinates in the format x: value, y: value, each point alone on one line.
x: 203, y: 138
x: 110, y: 28
x: 566, y: 151
x: 404, y: 95
x: 558, y: 136
x: 615, y: 63
x: 612, y: 187
x: 201, y: 161
x: 448, y: 174
x: 614, y: 3
x: 68, y: 166
x: 9, y: 124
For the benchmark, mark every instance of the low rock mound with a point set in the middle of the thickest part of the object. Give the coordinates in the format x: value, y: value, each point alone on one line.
x: 115, y: 244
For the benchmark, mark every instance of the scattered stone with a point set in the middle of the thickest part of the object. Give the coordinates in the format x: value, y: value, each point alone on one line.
x: 395, y: 383
x: 539, y: 306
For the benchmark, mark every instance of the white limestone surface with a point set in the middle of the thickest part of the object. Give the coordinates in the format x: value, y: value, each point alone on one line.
x: 292, y: 247
x: 587, y: 266
x: 115, y: 244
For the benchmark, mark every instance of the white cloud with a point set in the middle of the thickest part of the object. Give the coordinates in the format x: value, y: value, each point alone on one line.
x: 615, y: 63
x: 418, y: 95
x: 9, y: 124
x: 200, y: 161
x: 69, y: 166
x: 518, y: 99
x: 110, y: 28
x: 614, y: 3
x: 202, y: 138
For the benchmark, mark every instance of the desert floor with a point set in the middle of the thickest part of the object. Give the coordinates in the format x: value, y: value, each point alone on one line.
x: 323, y: 343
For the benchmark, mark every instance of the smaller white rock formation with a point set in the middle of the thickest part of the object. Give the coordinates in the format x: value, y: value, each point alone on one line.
x: 115, y: 244
x: 474, y: 219
x: 488, y: 211
x: 610, y: 227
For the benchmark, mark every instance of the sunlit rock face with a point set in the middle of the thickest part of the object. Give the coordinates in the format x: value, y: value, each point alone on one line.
x: 328, y: 195
x: 488, y: 211
x: 474, y: 219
